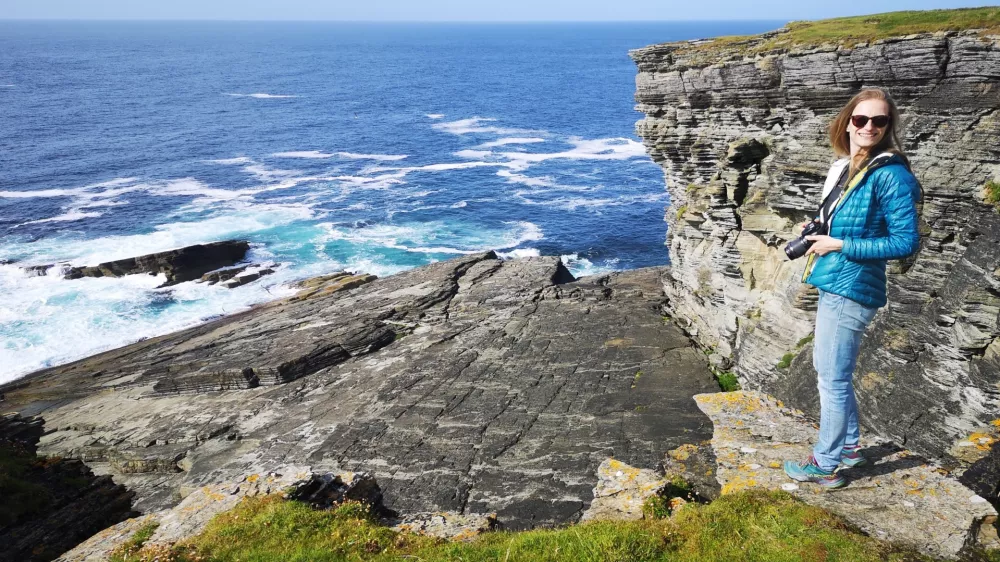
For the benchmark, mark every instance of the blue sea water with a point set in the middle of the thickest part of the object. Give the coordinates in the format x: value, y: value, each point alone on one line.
x: 370, y: 147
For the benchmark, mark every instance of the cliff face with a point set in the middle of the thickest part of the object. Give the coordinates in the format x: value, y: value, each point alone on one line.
x: 742, y: 141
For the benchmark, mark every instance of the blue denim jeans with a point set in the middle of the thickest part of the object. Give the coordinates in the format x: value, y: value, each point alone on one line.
x: 840, y: 325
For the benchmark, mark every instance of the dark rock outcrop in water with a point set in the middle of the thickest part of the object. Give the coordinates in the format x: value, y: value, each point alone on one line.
x: 183, y: 264
x: 49, y: 505
x: 742, y: 139
x: 474, y: 386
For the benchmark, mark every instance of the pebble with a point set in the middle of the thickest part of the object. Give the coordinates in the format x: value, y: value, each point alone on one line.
x: 789, y: 487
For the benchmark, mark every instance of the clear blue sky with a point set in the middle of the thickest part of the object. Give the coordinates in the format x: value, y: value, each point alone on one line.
x: 457, y: 10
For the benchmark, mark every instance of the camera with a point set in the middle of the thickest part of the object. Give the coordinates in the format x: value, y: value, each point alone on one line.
x: 798, y: 247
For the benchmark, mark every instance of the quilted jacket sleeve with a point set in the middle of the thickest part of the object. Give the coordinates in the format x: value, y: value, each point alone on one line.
x: 896, y: 193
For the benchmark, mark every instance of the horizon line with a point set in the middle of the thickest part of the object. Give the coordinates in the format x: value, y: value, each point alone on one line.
x: 217, y: 20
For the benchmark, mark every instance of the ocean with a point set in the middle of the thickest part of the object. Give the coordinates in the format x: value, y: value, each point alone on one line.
x: 329, y: 146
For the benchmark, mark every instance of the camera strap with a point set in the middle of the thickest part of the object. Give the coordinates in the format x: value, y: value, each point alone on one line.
x: 831, y: 200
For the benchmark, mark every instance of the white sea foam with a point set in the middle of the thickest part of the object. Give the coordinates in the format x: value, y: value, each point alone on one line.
x: 476, y: 125
x: 520, y: 253
x: 474, y: 154
x: 7, y: 85
x: 573, y: 203
x: 262, y: 96
x: 72, y: 215
x: 435, y: 115
x: 443, y: 167
x: 513, y: 177
x: 235, y: 223
x: 420, y: 237
x: 511, y: 140
x: 303, y: 154
x: 459, y: 205
x: 581, y: 267
x: 595, y: 149
x: 382, y: 157
x: 108, y: 312
x: 41, y: 193
x: 232, y: 161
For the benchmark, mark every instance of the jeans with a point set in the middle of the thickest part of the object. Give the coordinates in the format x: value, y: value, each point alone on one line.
x: 840, y: 325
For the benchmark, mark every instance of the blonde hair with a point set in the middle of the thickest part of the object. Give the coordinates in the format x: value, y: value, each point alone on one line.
x: 888, y: 137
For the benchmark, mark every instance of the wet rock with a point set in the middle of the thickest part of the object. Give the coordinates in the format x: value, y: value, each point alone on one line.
x: 213, y: 277
x: 899, y: 496
x: 244, y: 278
x: 183, y: 264
x: 37, y: 270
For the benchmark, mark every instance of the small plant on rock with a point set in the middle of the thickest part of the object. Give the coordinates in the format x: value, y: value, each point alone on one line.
x: 786, y: 361
x: 991, y: 193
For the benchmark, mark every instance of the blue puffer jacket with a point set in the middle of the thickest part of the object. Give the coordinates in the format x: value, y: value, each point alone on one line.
x: 877, y: 220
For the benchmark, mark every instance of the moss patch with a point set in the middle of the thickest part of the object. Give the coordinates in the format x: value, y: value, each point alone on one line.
x: 750, y: 525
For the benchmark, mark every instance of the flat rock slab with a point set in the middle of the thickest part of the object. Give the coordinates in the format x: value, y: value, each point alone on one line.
x: 472, y: 386
x: 898, y: 497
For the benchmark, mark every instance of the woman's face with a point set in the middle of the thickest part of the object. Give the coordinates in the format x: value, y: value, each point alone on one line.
x: 867, y: 136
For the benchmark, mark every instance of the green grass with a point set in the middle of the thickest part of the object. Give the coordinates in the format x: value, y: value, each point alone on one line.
x: 786, y: 361
x: 991, y: 193
x: 128, y: 550
x: 749, y: 525
x: 727, y: 381
x: 857, y: 29
x: 681, y: 210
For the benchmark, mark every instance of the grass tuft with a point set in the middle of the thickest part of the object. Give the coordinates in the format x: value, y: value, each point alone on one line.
x: 804, y: 341
x: 786, y: 361
x: 748, y: 525
x: 991, y: 193
x: 128, y: 550
x: 727, y: 381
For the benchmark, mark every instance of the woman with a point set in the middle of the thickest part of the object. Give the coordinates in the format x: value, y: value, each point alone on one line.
x: 870, y: 207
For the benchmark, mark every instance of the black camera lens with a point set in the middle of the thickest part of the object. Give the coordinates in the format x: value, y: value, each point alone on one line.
x: 797, y: 248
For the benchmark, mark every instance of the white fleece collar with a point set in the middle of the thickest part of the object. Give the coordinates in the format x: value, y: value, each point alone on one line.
x: 838, y: 167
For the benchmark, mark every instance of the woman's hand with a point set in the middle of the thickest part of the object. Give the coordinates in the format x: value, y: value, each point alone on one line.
x: 823, y: 244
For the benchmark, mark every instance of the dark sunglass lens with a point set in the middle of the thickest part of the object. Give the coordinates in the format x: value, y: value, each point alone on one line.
x: 879, y: 121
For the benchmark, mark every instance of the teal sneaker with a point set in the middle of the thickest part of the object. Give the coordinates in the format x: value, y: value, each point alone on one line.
x: 809, y: 472
x: 851, y: 456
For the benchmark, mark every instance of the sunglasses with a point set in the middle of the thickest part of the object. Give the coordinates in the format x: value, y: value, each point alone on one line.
x: 860, y: 121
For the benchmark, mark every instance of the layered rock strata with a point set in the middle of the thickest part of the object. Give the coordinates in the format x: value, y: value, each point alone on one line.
x: 472, y: 386
x: 183, y: 264
x: 741, y: 135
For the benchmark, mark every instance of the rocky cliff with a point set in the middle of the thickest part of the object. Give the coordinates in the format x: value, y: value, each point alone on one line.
x: 740, y: 131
